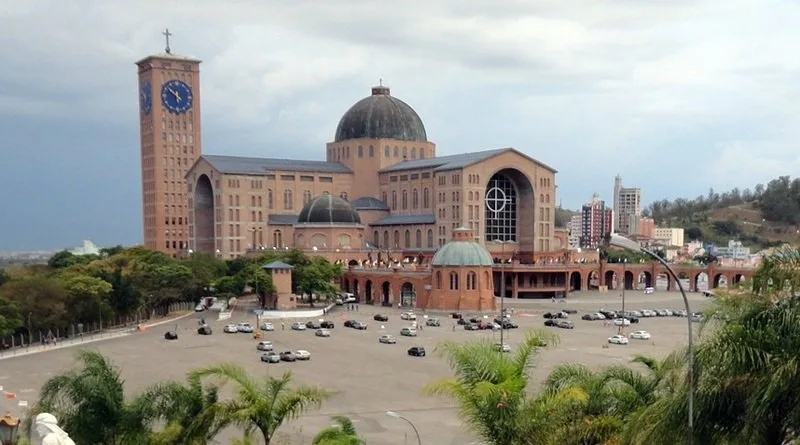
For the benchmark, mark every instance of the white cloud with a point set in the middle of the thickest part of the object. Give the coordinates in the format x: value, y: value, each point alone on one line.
x: 605, y: 78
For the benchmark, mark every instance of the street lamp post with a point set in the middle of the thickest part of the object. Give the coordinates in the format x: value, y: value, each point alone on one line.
x: 502, y: 289
x: 627, y: 244
x: 624, y: 272
x: 398, y: 416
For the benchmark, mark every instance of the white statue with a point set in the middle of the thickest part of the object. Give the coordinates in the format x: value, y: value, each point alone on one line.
x: 45, y: 431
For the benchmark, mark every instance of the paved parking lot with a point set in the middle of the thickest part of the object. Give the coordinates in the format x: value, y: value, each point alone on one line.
x: 369, y: 378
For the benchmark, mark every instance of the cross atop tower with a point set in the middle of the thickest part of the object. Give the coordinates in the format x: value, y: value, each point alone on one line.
x: 166, y: 34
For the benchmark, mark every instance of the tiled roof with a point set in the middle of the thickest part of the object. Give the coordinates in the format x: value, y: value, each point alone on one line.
x: 277, y: 264
x: 453, y: 162
x: 282, y: 220
x: 396, y: 220
x: 259, y: 166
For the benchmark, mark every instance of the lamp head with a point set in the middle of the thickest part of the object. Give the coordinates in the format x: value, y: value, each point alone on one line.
x: 392, y: 414
x: 624, y: 243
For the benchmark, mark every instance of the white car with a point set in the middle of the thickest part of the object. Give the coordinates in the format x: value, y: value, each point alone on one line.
x: 388, y: 339
x: 618, y: 340
x: 199, y: 308
x: 298, y: 326
x: 640, y: 335
x: 322, y: 333
x: 598, y: 316
x: 504, y: 347
x: 408, y: 316
x: 244, y: 328
x: 230, y: 329
x: 264, y: 346
x: 302, y: 354
x: 267, y: 327
x: 622, y: 322
x: 408, y: 332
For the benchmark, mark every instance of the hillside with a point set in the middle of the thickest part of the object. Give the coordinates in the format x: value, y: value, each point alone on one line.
x: 766, y: 217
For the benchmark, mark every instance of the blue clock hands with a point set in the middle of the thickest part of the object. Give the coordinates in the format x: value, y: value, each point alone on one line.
x: 176, y: 96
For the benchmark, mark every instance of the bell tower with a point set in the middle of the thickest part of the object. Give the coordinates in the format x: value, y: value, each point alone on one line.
x: 169, y: 129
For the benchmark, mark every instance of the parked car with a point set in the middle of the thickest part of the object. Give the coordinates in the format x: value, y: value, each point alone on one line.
x: 271, y: 357
x: 618, y: 340
x: 204, y: 330
x: 408, y: 332
x: 327, y: 325
x: 388, y: 339
x: 264, y: 345
x: 432, y: 322
x: 298, y: 326
x: 555, y: 315
x: 640, y: 335
x: 302, y: 354
x: 170, y: 335
x: 199, y: 308
x: 502, y: 347
x: 550, y: 323
x: 267, y: 327
x: 230, y: 329
x: 697, y: 317
x: 380, y: 317
x: 244, y: 328
x: 462, y: 321
x: 474, y: 320
x: 408, y: 316
x: 360, y: 325
x: 569, y: 311
x: 565, y: 324
x: 288, y: 356
x: 622, y: 322
x: 508, y: 324
x: 322, y: 333
x: 471, y: 327
x: 313, y: 325
x: 348, y: 323
x: 610, y: 315
x: 456, y: 315
x: 416, y: 351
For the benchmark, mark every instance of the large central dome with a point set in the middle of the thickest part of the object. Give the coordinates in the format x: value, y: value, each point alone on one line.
x: 381, y: 116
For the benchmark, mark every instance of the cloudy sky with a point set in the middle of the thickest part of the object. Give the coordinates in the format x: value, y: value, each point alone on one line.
x: 676, y: 95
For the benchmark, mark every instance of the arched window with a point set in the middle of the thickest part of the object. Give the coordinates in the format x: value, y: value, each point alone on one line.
x: 385, y: 239
x: 407, y: 239
x: 360, y: 151
x: 371, y: 151
x: 414, y: 199
x: 418, y: 240
x: 453, y: 281
x: 396, y: 239
x: 438, y: 280
x: 430, y: 238
x: 547, y: 198
x: 426, y: 198
x: 386, y: 152
x: 269, y: 199
x: 376, y: 239
x: 394, y: 200
x: 306, y: 197
x: 405, y: 152
x: 501, y: 209
x: 472, y: 280
x: 421, y: 153
x: 396, y: 151
x: 405, y: 199
x: 413, y: 152
x: 287, y: 199
x: 487, y: 280
x: 277, y: 239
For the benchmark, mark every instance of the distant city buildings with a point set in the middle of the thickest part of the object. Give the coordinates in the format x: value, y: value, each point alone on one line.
x: 575, y: 229
x: 596, y: 222
x: 627, y: 208
x: 669, y: 236
x: 734, y: 251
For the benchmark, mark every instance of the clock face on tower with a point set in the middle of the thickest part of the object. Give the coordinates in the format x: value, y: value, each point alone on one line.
x: 176, y: 96
x: 146, y: 97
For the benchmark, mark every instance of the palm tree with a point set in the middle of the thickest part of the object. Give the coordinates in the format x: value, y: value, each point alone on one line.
x: 490, y: 389
x: 342, y: 433
x: 89, y: 402
x: 262, y: 405
x: 187, y: 410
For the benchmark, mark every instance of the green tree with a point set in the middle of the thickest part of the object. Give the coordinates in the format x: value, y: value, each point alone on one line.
x: 205, y: 269
x: 10, y: 318
x: 61, y: 260
x: 489, y: 388
x: 262, y: 404
x: 230, y: 285
x: 317, y: 278
x: 694, y: 233
x: 342, y: 433
x: 87, y: 297
x: 254, y: 276
x: 162, y: 282
x: 89, y: 402
x: 41, y: 296
x: 4, y: 278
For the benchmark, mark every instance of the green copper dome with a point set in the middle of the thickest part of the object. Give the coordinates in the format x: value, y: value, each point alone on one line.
x: 462, y: 253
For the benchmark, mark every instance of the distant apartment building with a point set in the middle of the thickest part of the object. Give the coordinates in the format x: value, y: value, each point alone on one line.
x: 669, y: 236
x: 735, y: 251
x: 645, y: 229
x: 575, y: 229
x: 596, y: 222
x: 627, y: 208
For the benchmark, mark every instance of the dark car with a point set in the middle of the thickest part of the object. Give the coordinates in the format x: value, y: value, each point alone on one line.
x: 204, y: 330
x: 569, y: 311
x: 550, y: 323
x: 417, y: 351
x: 565, y: 324
x: 555, y: 315
x: 471, y: 327
x: 633, y: 320
x: 348, y: 323
x: 509, y: 325
x: 588, y: 317
x: 609, y: 314
x: 327, y: 325
x: 474, y: 320
x: 380, y: 317
x: 288, y: 356
x: 484, y: 325
x: 501, y: 320
x: 313, y: 325
x: 462, y: 321
x: 455, y: 315
x: 171, y: 335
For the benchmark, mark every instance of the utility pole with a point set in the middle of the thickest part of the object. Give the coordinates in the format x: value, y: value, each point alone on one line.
x: 30, y: 330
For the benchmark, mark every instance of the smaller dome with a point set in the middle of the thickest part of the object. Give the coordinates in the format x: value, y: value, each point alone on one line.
x: 328, y: 209
x: 369, y: 203
x: 462, y: 252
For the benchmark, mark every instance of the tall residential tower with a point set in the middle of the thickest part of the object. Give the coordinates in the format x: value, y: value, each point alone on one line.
x: 627, y: 208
